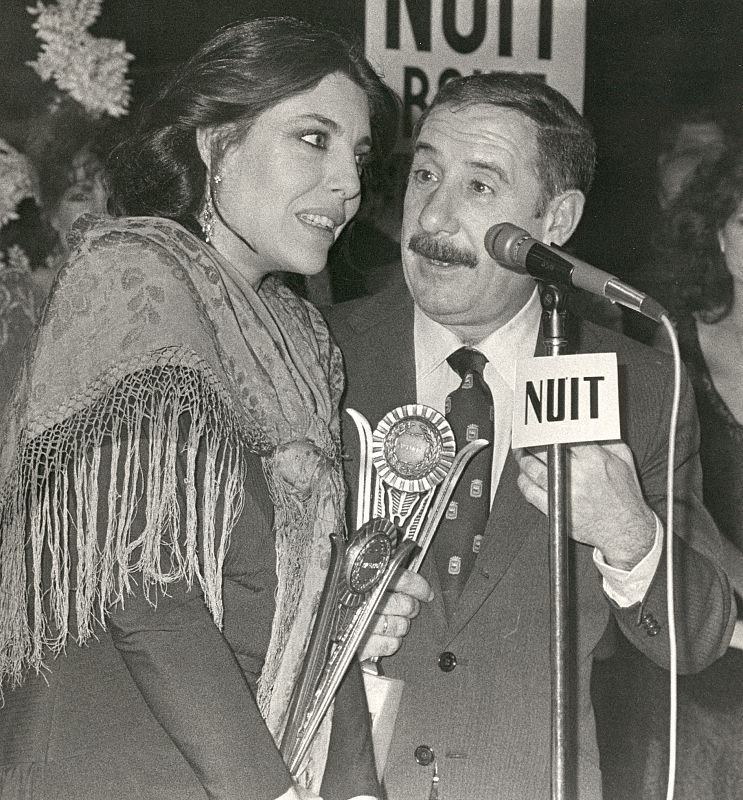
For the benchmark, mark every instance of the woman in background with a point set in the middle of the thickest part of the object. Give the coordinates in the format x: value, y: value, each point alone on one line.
x: 170, y: 468
x: 698, y: 275
x: 702, y: 262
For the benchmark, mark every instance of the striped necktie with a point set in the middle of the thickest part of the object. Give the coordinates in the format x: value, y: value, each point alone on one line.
x: 469, y: 411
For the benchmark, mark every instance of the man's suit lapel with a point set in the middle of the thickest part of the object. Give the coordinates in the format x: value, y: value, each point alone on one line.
x: 386, y: 376
x: 505, y: 535
x: 385, y: 364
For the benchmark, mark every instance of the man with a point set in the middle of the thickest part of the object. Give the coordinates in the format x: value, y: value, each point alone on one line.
x: 496, y: 148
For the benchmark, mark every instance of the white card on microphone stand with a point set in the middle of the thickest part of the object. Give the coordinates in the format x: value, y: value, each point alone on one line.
x: 565, y: 399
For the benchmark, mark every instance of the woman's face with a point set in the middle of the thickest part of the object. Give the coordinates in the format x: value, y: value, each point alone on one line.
x: 731, y: 243
x: 292, y: 184
x: 85, y: 193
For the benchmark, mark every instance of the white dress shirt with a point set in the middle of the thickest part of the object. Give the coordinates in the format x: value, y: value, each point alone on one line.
x: 435, y: 380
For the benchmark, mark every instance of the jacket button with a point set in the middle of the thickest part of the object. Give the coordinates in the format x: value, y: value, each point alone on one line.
x: 447, y: 661
x: 651, y: 624
x: 423, y: 755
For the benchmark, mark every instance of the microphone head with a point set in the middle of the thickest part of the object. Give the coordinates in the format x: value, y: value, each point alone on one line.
x: 504, y: 243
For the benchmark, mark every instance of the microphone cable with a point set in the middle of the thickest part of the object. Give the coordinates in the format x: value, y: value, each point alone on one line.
x: 672, y: 646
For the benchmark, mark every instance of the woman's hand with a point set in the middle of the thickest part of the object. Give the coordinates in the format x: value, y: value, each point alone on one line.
x: 399, y: 606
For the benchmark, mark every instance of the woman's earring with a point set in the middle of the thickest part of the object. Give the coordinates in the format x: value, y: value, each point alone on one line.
x: 206, y: 218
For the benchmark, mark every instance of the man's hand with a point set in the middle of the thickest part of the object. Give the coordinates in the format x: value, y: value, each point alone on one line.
x: 606, y: 508
x: 399, y: 606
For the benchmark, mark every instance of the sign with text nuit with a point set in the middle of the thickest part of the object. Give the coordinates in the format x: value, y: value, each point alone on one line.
x: 566, y: 399
x: 419, y: 44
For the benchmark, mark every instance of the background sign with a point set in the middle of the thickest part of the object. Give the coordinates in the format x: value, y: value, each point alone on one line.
x: 419, y: 44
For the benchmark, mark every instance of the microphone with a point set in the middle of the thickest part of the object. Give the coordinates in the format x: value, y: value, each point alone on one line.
x: 517, y: 250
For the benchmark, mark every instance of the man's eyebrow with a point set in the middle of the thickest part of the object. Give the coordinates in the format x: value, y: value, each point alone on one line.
x: 424, y: 147
x: 332, y: 125
x: 488, y: 166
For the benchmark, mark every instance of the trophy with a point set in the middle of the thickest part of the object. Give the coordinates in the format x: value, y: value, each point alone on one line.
x: 408, y: 469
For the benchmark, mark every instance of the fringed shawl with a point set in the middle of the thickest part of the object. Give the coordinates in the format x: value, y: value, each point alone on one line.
x: 146, y: 324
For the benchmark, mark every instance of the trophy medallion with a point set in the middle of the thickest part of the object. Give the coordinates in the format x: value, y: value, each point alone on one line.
x: 412, y: 448
x: 367, y: 557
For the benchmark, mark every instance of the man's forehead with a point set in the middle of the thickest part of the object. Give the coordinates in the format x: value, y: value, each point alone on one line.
x: 479, y: 127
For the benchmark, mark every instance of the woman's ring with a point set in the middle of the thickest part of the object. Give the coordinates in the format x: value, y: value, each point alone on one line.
x: 385, y: 625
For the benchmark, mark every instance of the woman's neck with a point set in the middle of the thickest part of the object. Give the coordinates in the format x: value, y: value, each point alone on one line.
x: 736, y: 311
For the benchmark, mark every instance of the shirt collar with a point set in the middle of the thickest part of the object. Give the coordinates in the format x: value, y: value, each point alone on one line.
x: 503, y: 347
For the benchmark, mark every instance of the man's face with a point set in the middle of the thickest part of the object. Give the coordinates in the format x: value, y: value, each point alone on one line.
x: 473, y: 167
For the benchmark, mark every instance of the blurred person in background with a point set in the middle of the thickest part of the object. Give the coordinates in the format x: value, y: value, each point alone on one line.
x: 693, y: 133
x: 700, y: 265
x: 698, y: 272
x: 690, y: 135
x: 68, y: 149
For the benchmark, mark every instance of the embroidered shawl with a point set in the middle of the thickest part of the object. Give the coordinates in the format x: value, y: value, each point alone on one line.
x: 146, y: 323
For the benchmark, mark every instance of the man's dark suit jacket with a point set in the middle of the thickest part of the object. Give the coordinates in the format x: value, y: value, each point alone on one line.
x: 488, y: 719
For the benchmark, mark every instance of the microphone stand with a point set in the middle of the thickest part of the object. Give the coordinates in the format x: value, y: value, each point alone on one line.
x: 554, y: 336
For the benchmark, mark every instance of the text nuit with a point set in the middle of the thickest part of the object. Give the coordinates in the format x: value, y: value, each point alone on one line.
x: 558, y: 399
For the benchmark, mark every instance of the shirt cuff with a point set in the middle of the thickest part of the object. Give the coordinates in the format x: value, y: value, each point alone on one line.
x: 628, y: 588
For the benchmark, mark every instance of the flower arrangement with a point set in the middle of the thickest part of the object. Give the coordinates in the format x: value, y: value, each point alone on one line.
x: 15, y: 259
x: 16, y: 181
x: 91, y: 70
x: 90, y: 83
x: 20, y: 300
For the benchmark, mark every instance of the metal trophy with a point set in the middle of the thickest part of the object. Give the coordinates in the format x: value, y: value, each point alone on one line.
x: 408, y: 468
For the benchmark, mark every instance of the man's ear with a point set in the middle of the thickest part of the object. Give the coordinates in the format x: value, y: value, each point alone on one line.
x: 563, y: 215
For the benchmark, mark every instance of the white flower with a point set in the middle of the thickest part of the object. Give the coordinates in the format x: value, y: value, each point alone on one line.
x: 91, y: 70
x: 18, y: 259
x: 16, y: 181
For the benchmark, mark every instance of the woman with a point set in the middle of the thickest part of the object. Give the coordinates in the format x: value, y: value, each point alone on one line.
x: 699, y: 270
x: 701, y: 260
x: 171, y: 459
x: 710, y: 315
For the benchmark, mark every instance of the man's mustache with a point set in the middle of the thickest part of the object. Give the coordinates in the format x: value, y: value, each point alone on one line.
x: 441, y: 250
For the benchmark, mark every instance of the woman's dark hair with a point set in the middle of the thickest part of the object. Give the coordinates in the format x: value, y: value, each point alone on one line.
x: 566, y: 149
x: 245, y: 69
x: 690, y: 267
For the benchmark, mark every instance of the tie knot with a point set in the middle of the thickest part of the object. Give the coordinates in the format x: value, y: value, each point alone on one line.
x: 467, y: 359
